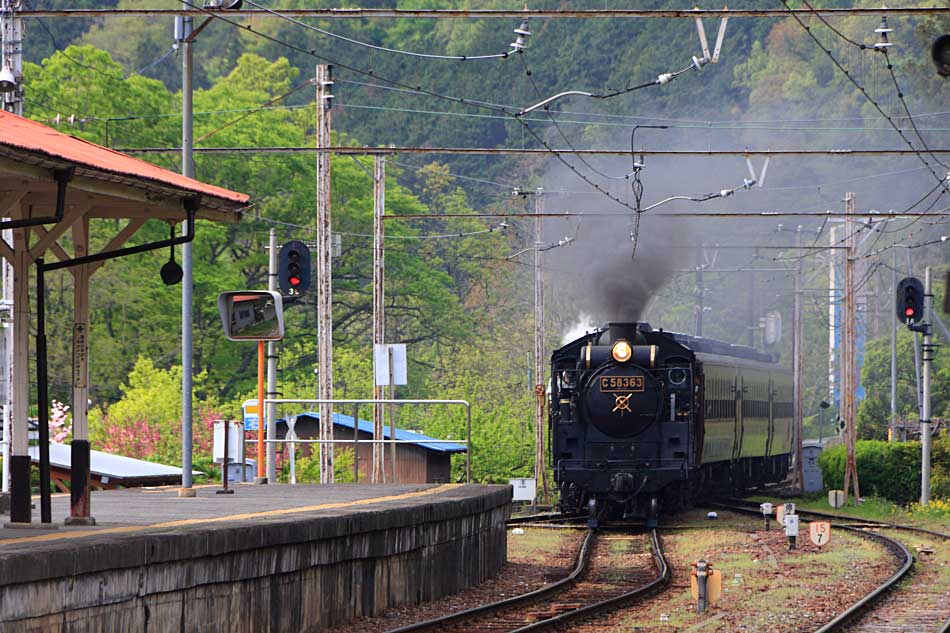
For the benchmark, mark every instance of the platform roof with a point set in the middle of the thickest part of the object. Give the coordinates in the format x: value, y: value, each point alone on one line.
x: 117, y: 469
x: 112, y: 184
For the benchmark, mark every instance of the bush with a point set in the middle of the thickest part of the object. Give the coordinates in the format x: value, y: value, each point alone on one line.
x: 889, y: 469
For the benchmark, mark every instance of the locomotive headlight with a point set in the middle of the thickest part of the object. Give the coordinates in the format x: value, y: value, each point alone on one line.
x: 621, y: 351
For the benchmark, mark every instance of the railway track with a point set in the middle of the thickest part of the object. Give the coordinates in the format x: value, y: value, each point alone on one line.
x: 601, y: 581
x: 902, y: 603
x: 860, y: 522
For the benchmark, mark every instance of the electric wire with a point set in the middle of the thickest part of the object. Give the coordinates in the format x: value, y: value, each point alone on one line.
x: 459, y: 58
x: 254, y: 111
x: 864, y: 92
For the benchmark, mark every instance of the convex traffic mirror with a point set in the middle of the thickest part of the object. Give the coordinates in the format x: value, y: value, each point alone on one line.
x: 252, y: 315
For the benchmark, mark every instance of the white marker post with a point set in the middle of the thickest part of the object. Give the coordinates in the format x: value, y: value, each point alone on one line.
x: 791, y: 529
x: 766, y: 509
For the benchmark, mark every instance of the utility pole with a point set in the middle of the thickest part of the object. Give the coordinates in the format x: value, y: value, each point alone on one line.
x: 753, y: 319
x: 11, y: 52
x: 540, y: 474
x: 892, y: 435
x: 183, y: 30
x: 928, y: 354
x: 271, y: 369
x: 700, y: 292
x: 11, y: 59
x: 324, y: 84
x: 919, y: 389
x: 797, y: 365
x: 849, y: 375
x: 379, y: 298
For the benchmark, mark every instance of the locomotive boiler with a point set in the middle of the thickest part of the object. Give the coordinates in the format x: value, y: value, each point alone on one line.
x: 642, y: 419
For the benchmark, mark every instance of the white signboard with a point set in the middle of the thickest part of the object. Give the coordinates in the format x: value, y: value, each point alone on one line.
x: 235, y: 441
x: 791, y: 525
x: 80, y: 355
x: 389, y: 364
x: 524, y: 489
x: 819, y: 532
x: 249, y: 410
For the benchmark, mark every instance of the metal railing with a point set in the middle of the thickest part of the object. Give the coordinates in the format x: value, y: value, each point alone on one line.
x: 392, y: 441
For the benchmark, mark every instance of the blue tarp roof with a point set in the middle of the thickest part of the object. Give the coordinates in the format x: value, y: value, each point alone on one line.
x: 367, y: 427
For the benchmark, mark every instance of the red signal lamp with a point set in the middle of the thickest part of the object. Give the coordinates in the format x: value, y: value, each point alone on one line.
x: 294, y: 281
x: 909, y: 312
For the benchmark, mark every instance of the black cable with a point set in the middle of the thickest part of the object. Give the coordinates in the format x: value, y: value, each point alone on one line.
x: 913, y: 124
x: 867, y: 96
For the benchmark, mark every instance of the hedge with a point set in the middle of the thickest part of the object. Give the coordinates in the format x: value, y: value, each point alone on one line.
x: 889, y: 469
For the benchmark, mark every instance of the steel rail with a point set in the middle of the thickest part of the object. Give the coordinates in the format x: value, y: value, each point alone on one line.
x: 583, y: 557
x: 518, y: 151
x: 663, y: 577
x: 844, y: 517
x: 353, y: 13
x: 863, y: 605
x: 544, y: 517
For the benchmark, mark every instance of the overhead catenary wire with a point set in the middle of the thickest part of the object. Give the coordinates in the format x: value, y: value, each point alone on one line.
x: 350, y: 40
x: 867, y: 96
x: 452, y: 14
x: 254, y: 111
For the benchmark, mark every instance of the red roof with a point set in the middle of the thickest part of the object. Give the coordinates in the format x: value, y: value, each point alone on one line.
x: 24, y: 134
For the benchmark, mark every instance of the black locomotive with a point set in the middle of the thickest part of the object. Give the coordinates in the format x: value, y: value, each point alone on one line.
x: 642, y: 419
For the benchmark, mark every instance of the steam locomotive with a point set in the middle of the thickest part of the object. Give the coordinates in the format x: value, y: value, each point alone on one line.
x: 642, y: 419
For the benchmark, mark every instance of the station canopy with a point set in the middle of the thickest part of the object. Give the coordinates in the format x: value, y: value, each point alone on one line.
x: 106, y: 183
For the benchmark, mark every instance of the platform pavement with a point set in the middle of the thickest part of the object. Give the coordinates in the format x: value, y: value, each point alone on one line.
x: 140, y: 510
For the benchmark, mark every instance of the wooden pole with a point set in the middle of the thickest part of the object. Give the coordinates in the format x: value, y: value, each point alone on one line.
x: 539, y: 390
x: 324, y: 84
x: 379, y: 297
x: 79, y: 510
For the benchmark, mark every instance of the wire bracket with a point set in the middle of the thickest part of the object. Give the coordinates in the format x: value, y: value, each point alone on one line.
x: 708, y: 58
x: 760, y: 180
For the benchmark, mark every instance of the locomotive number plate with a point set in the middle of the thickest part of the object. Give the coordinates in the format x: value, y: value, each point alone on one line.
x: 624, y: 384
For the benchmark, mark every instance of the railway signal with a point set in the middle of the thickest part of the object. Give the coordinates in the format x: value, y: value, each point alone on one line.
x: 294, y: 269
x: 910, y: 300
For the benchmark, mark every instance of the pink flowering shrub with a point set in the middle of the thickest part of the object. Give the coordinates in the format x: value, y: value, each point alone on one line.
x: 146, y: 422
x: 60, y: 423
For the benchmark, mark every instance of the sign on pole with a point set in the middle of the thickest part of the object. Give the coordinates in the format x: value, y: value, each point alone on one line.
x: 249, y: 409
x: 389, y: 364
x: 819, y: 532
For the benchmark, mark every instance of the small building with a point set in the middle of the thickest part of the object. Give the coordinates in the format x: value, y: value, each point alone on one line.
x: 425, y: 460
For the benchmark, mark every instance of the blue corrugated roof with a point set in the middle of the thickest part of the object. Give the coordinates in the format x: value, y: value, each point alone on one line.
x: 367, y: 427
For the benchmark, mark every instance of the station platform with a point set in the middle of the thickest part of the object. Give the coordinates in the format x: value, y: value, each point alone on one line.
x: 275, y: 558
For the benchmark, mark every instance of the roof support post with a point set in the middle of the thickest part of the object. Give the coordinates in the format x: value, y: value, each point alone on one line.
x: 79, y: 506
x: 20, y: 500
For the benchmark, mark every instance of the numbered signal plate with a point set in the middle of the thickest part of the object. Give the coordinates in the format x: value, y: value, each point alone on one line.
x: 819, y: 532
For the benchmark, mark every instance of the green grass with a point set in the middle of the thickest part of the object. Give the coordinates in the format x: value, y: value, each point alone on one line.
x: 874, y: 509
x: 537, y: 544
